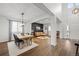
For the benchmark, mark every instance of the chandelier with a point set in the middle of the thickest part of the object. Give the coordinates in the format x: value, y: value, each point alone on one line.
x: 22, y: 18
x: 22, y: 24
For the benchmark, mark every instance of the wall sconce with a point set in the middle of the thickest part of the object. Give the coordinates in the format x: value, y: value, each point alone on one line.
x: 75, y: 11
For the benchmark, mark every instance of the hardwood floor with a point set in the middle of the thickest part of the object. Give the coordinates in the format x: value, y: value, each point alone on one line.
x: 64, y: 48
x: 3, y: 49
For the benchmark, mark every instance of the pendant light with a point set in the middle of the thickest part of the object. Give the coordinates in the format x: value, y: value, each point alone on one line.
x: 22, y: 23
x: 22, y: 18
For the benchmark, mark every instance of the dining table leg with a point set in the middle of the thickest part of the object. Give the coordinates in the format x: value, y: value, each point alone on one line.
x: 26, y: 41
x: 30, y: 41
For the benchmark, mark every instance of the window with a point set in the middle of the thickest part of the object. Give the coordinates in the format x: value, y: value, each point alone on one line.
x: 77, y: 4
x: 70, y: 5
x: 16, y: 27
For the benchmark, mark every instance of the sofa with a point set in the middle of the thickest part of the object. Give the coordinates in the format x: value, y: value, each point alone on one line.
x: 40, y: 34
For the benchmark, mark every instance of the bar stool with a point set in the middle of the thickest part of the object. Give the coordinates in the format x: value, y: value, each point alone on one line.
x: 76, y: 44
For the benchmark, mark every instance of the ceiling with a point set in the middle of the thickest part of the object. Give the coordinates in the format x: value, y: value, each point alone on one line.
x: 44, y: 21
x: 32, y: 11
x: 47, y: 21
x: 51, y: 9
x: 56, y: 9
x: 13, y: 11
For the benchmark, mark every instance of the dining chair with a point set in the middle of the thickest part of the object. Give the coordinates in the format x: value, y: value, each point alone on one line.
x: 18, y: 41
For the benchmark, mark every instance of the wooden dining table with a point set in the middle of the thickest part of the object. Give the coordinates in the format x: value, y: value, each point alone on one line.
x: 26, y: 37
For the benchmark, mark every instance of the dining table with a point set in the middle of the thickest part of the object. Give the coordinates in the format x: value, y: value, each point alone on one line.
x: 27, y: 38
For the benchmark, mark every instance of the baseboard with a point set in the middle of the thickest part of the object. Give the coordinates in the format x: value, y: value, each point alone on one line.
x: 6, y: 41
x: 66, y: 38
x: 53, y: 45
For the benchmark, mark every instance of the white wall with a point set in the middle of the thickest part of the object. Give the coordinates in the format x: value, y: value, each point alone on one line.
x: 72, y: 20
x: 74, y: 26
x: 63, y: 32
x: 56, y: 9
x: 4, y: 29
x: 45, y: 28
x: 28, y: 28
x: 53, y: 30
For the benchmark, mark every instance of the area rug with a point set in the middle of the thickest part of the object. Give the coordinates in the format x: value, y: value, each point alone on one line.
x: 14, y: 50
